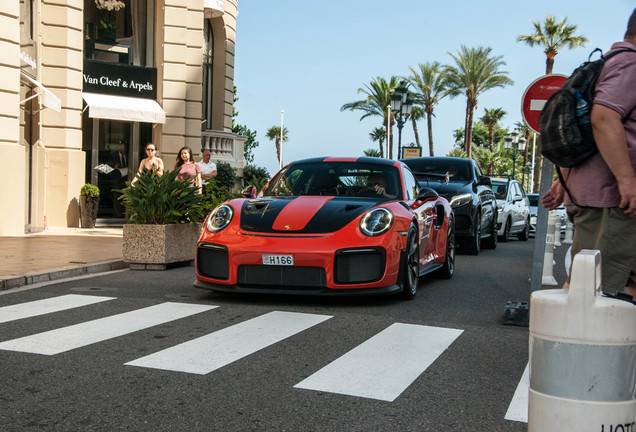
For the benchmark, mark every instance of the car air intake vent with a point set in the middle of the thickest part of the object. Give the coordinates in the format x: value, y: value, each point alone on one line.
x: 213, y: 261
x: 359, y: 265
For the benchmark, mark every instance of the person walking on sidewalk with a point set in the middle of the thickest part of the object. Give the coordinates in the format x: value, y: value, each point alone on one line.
x: 604, y: 186
x: 150, y: 162
x: 207, y: 167
x: 188, y: 168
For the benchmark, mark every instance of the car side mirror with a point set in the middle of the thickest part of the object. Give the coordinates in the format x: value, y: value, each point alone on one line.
x: 249, y: 192
x: 484, y: 180
x: 426, y: 193
x: 517, y: 197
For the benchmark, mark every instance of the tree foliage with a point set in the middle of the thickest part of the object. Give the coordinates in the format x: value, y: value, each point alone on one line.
x: 474, y: 72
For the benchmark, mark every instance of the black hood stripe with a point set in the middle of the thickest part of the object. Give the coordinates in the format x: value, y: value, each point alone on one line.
x: 259, y: 215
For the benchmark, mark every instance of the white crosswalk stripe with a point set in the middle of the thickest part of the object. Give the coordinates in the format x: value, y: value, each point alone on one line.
x: 79, y: 335
x: 208, y: 353
x: 518, y: 408
x: 385, y: 365
x: 46, y: 306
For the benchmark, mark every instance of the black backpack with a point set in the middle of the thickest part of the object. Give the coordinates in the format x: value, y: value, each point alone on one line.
x: 566, y: 130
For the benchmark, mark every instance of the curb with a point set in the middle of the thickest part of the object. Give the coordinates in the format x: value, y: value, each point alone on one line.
x: 30, y: 279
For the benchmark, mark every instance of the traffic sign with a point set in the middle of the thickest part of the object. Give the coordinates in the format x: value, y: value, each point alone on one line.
x: 536, y: 95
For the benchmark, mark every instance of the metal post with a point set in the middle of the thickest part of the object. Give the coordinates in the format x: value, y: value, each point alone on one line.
x: 400, y: 125
x: 388, y: 132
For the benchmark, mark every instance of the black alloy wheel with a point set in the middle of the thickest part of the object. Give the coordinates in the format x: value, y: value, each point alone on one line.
x: 448, y: 269
x: 525, y: 234
x: 411, y: 273
x: 474, y: 243
x: 506, y: 234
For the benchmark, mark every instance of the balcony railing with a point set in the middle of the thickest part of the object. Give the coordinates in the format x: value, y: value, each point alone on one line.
x: 225, y: 146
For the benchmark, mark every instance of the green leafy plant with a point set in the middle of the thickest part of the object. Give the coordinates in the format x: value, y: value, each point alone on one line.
x: 225, y: 175
x: 255, y: 176
x: 89, y: 190
x: 163, y: 199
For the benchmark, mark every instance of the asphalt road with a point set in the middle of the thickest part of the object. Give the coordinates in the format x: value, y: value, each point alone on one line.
x: 288, y: 363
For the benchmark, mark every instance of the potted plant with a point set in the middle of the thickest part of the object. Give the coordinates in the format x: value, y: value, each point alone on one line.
x: 165, y: 221
x: 89, y: 202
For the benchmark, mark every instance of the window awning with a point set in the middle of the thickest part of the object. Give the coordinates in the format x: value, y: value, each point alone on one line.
x: 49, y: 100
x: 124, y: 108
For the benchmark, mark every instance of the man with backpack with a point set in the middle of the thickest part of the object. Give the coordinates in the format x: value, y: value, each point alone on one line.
x: 601, y: 198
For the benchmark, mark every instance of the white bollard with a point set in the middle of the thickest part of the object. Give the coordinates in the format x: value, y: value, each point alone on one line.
x: 582, y: 356
x: 569, y: 234
x: 548, y: 256
x: 557, y: 230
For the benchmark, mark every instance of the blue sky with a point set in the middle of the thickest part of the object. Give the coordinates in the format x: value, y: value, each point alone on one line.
x: 308, y: 58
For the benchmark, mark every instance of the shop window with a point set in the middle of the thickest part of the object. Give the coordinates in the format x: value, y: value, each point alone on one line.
x: 208, y: 63
x: 119, y: 31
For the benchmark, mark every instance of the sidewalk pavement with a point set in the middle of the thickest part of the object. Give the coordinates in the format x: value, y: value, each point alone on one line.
x: 59, y: 253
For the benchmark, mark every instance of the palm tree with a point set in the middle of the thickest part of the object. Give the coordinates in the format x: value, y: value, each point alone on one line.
x: 475, y: 72
x: 379, y: 135
x: 273, y: 134
x: 430, y: 88
x: 416, y: 114
x: 553, y: 35
x: 372, y: 153
x: 490, y: 119
x: 525, y: 132
x: 378, y: 98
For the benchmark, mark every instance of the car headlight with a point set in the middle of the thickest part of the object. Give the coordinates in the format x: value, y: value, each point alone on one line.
x: 460, y: 200
x: 220, y: 218
x: 376, y: 222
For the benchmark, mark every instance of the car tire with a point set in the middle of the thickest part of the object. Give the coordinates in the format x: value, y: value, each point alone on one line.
x: 448, y: 269
x: 411, y: 271
x: 474, y: 242
x: 525, y: 234
x: 506, y: 234
x: 491, y: 242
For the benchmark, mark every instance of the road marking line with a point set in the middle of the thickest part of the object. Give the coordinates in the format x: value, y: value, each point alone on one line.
x: 215, y: 350
x: 518, y: 408
x: 385, y: 365
x: 46, y: 306
x: 90, y: 332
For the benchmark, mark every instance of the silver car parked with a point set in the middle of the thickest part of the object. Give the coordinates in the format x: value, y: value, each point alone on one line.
x: 513, y: 208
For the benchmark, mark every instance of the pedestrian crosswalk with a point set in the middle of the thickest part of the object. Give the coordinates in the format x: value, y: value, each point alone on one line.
x: 380, y: 368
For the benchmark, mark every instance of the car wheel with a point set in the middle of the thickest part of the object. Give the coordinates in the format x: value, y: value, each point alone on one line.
x: 474, y: 243
x: 491, y: 242
x: 525, y: 234
x: 411, y: 272
x: 506, y: 234
x: 448, y: 269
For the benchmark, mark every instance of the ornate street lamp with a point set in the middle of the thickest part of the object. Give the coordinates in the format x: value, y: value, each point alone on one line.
x: 515, y: 143
x: 401, y: 106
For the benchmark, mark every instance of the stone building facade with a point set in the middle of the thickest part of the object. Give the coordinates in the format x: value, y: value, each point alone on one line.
x: 86, y: 84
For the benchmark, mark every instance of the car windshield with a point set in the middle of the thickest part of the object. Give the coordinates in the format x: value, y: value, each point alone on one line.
x: 457, y: 170
x: 352, y: 179
x: 534, y: 199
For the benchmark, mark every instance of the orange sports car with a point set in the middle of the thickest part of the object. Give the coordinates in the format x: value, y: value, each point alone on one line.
x: 329, y: 226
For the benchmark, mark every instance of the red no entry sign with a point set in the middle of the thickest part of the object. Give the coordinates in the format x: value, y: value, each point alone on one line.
x: 536, y: 95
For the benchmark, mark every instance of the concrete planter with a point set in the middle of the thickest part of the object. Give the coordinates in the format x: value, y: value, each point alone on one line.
x: 156, y: 247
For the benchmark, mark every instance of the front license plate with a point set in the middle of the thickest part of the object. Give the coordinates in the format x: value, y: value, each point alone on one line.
x: 286, y: 260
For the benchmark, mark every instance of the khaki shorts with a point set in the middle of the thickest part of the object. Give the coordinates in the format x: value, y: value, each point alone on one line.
x: 614, y: 234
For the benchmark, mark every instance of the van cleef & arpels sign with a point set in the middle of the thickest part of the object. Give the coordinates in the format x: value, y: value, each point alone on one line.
x: 119, y: 79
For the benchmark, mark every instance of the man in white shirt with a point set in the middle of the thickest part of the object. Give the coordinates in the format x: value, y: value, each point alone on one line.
x: 207, y: 167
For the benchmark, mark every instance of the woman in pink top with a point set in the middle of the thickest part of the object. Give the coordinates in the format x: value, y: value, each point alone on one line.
x: 188, y: 168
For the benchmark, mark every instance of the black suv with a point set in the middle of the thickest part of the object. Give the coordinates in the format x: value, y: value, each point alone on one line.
x: 461, y: 182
